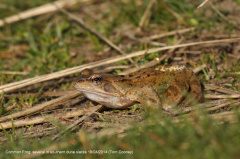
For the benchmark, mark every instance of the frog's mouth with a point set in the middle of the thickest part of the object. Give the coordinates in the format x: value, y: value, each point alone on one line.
x: 106, y: 99
x: 93, y: 94
x: 111, y: 100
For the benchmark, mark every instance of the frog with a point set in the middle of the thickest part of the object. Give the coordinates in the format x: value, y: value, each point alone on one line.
x: 160, y: 87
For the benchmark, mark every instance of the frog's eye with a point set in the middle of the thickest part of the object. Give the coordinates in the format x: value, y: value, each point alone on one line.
x: 96, y: 80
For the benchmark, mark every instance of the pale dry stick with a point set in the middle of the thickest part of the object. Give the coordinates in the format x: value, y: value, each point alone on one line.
x: 157, y: 36
x: 38, y: 11
x: 210, y: 96
x: 170, y: 51
x: 234, y: 56
x: 146, y: 65
x: 147, y: 13
x: 95, y: 32
x: 153, y: 43
x: 27, y: 82
x: 202, y: 4
x: 220, y: 36
x: 223, y: 105
x: 223, y: 113
x: 212, y: 103
x: 220, y: 89
x: 188, y: 52
x: 41, y: 106
x: 47, y: 118
x: 14, y: 73
x: 88, y: 114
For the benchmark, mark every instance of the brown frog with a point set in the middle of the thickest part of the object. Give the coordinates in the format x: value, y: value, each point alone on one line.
x: 158, y: 87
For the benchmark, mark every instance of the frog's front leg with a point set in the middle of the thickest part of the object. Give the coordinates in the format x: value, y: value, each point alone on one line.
x: 145, y: 95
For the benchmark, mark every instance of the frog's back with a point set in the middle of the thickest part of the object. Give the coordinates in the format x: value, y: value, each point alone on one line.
x: 158, y: 77
x: 160, y: 69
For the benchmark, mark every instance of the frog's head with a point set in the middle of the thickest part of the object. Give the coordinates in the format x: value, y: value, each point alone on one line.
x: 98, y: 87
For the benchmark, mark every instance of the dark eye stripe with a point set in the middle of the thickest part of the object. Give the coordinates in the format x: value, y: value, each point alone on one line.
x: 96, y: 80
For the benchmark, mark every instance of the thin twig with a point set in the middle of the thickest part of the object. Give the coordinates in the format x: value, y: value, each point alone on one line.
x: 146, y: 65
x: 151, y: 63
x: 38, y: 11
x: 210, y: 96
x: 202, y: 4
x: 188, y: 52
x: 27, y: 82
x: 222, y: 105
x: 14, y: 73
x: 221, y: 36
x: 171, y: 51
x: 157, y: 36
